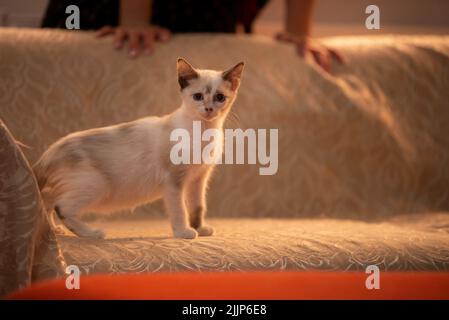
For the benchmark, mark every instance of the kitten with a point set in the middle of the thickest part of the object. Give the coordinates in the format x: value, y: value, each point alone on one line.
x: 128, y: 164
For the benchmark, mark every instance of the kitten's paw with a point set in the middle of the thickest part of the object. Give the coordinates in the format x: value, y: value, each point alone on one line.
x: 188, y: 233
x: 93, y: 234
x: 205, y: 231
x: 59, y: 230
x: 99, y: 234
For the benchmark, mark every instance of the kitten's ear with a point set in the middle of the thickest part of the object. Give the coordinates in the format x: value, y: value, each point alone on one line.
x: 185, y: 72
x: 234, y: 74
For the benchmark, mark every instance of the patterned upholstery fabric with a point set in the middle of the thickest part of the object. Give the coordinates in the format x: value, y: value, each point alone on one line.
x: 267, y: 244
x: 357, y: 150
x: 28, y: 247
x: 372, y: 141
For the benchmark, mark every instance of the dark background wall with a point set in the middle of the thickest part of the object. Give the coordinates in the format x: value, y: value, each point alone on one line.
x: 332, y: 17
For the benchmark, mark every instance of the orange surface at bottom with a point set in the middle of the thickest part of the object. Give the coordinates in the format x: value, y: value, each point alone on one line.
x: 245, y: 286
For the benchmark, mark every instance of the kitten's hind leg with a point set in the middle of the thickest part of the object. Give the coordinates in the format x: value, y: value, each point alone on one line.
x: 68, y: 216
x: 47, y: 197
x: 197, y: 222
x: 82, y: 189
x: 58, y: 229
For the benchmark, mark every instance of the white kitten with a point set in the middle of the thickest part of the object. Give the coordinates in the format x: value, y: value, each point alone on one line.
x: 125, y: 165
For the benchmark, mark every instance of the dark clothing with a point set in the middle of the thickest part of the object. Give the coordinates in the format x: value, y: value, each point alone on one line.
x: 175, y: 15
x: 93, y: 14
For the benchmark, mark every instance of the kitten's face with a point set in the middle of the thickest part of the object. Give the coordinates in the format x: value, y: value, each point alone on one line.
x: 208, y: 94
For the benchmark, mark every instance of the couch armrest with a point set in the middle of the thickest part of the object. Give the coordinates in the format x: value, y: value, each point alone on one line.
x: 28, y: 247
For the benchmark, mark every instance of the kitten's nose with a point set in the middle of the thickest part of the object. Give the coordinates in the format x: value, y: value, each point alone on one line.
x: 209, y: 110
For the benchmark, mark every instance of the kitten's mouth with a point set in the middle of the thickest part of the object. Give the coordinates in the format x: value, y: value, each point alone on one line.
x: 208, y: 116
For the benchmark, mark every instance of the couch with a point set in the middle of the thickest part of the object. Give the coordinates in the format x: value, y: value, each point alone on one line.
x: 363, y: 174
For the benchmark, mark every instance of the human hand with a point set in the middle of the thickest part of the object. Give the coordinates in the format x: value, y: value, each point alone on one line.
x: 139, y: 38
x: 321, y: 54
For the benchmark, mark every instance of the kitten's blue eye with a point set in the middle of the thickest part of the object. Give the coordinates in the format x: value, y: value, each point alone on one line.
x: 198, y: 96
x: 220, y: 97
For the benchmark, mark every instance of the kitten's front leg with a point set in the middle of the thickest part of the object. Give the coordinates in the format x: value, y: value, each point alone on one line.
x: 196, y: 204
x: 175, y: 206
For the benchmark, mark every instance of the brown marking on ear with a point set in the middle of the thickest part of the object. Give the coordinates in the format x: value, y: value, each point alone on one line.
x: 233, y: 75
x: 58, y: 213
x: 126, y: 128
x: 185, y: 73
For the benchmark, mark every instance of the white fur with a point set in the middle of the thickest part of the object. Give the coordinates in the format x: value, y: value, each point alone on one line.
x: 126, y: 165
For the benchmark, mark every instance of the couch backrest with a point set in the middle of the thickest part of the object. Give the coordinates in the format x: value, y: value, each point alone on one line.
x: 370, y: 141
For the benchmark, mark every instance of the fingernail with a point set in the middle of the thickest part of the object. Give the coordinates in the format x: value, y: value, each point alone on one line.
x: 147, y: 51
x: 133, y: 53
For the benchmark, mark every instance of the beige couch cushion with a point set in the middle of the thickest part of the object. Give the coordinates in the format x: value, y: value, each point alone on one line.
x: 370, y: 143
x: 420, y: 243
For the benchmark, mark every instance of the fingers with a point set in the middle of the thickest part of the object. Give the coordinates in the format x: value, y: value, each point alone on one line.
x: 282, y: 36
x: 163, y: 34
x: 151, y: 36
x: 325, y: 56
x: 301, y: 48
x: 322, y: 59
x: 134, y: 44
x: 148, y: 42
x: 139, y: 39
x: 301, y: 43
x: 106, y: 30
x: 119, y: 38
x: 290, y: 38
x: 337, y: 56
x: 322, y: 55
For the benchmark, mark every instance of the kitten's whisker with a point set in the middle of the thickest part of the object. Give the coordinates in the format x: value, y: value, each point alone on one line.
x: 231, y: 120
x: 234, y: 117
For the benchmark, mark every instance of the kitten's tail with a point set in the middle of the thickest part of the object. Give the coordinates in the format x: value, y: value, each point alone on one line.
x: 40, y: 170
